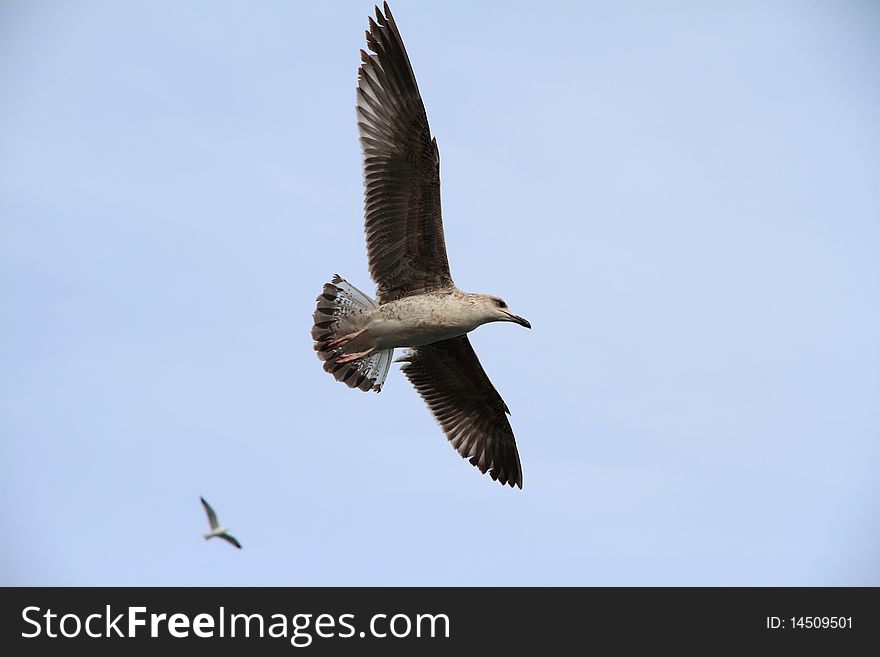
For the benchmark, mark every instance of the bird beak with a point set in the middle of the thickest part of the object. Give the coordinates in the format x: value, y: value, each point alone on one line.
x: 516, y: 319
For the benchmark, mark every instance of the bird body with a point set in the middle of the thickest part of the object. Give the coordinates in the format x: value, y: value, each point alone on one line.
x: 419, y: 320
x: 217, y: 530
x: 417, y: 306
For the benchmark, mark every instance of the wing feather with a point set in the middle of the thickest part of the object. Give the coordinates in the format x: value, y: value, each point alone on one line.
x: 212, y: 517
x: 406, y: 248
x: 453, y: 384
x: 231, y: 539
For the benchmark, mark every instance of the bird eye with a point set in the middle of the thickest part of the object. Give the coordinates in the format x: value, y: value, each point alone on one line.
x: 501, y: 304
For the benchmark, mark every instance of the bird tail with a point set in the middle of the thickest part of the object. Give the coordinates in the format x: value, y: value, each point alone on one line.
x: 337, y: 303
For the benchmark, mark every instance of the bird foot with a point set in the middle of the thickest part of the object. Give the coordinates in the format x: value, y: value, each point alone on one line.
x: 347, y: 358
x: 345, y: 339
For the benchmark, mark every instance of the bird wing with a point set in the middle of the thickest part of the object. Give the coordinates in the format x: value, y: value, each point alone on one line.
x: 405, y: 244
x: 212, y: 517
x: 450, y: 379
x: 231, y: 539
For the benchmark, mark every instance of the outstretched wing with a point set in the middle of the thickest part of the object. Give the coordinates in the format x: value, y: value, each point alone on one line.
x: 405, y: 244
x: 231, y: 539
x: 212, y: 517
x: 450, y: 379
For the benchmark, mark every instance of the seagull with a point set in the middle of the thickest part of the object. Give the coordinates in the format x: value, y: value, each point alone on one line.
x: 417, y: 305
x: 216, y: 529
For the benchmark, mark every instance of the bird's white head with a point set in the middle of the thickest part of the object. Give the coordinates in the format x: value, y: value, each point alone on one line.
x: 494, y: 309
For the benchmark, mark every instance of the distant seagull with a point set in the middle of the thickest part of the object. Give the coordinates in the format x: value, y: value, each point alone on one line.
x: 216, y: 529
x: 418, y: 305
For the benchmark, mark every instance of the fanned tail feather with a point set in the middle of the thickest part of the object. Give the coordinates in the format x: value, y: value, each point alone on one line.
x: 338, y: 303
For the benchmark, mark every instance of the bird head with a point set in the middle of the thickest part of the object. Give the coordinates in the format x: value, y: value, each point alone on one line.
x: 496, y: 310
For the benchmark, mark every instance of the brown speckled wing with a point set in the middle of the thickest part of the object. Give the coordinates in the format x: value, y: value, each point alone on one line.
x: 450, y: 379
x: 401, y: 165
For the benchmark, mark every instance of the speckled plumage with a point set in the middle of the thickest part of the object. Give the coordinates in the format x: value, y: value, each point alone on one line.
x: 418, y: 306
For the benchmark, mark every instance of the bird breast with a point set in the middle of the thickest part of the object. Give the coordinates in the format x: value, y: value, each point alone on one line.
x: 421, y: 320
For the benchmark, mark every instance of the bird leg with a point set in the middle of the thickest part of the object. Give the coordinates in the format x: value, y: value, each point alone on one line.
x: 345, y: 339
x: 347, y: 358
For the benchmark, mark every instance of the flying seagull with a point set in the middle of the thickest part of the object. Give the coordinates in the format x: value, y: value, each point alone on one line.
x: 216, y: 529
x: 417, y: 305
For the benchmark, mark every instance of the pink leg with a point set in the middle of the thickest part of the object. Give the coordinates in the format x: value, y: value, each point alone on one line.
x: 345, y: 339
x: 347, y: 358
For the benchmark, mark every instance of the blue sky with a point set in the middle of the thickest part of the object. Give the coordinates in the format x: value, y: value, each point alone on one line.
x: 682, y: 198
